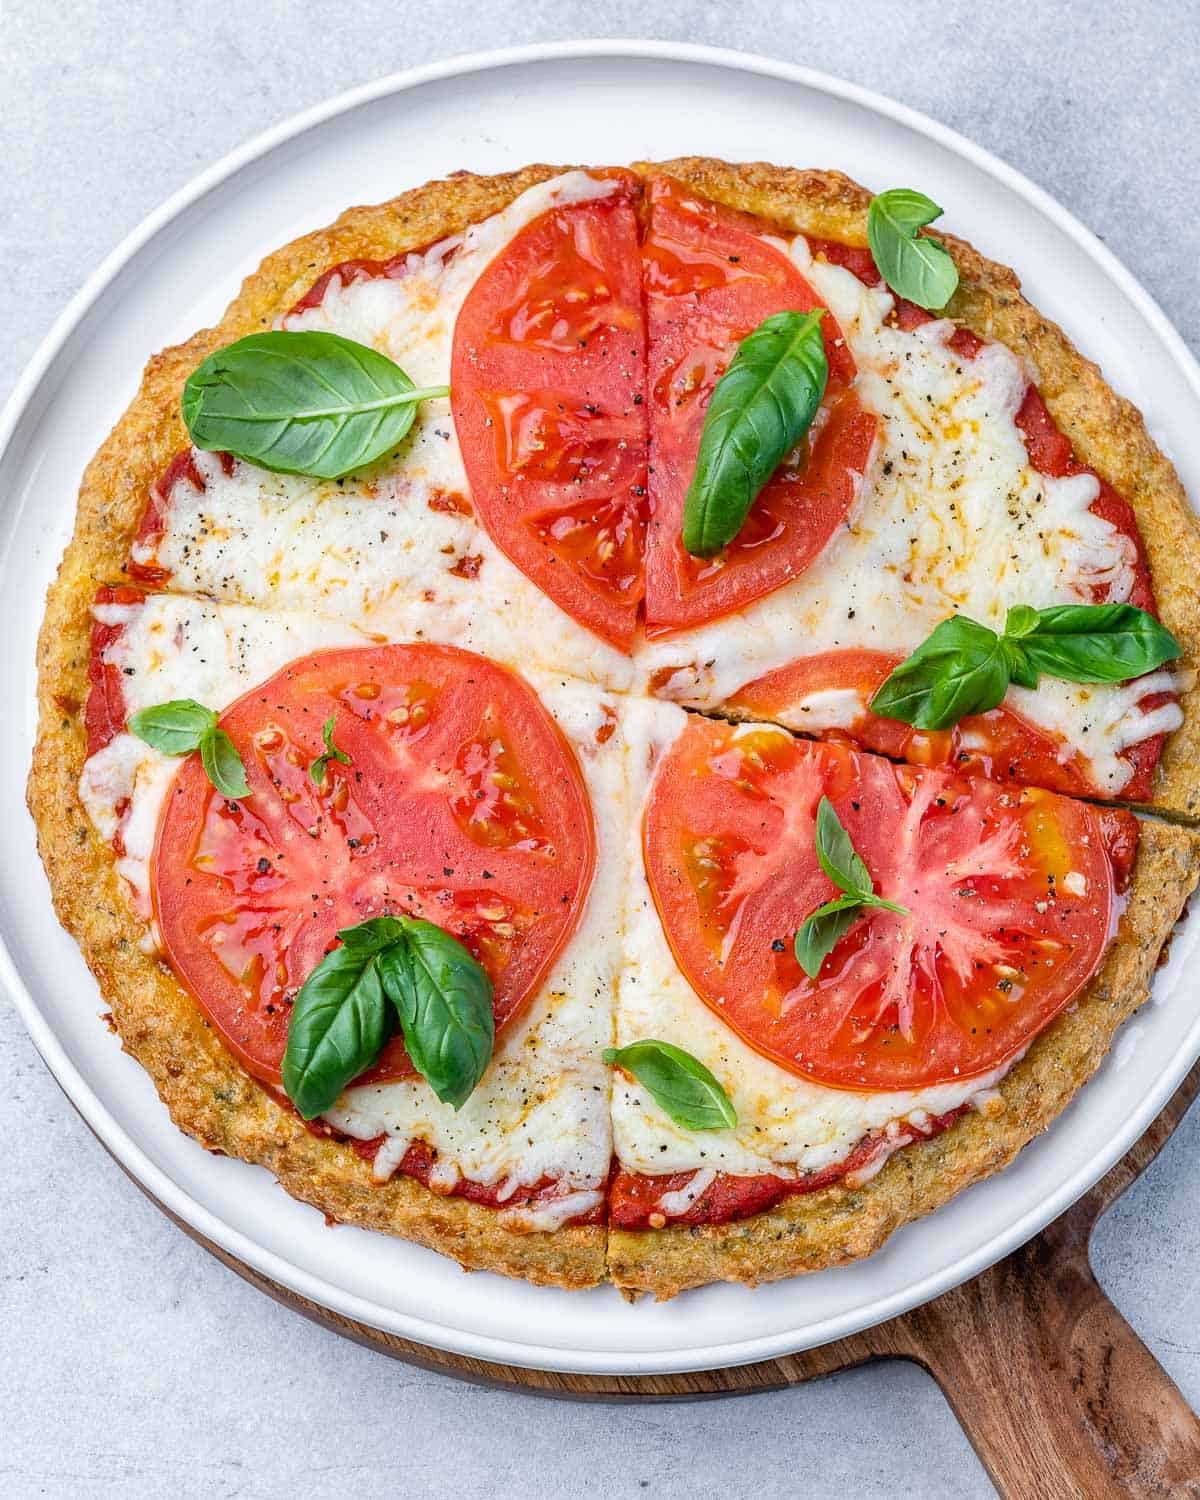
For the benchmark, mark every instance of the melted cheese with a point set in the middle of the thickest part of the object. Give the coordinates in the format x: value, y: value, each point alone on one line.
x: 387, y: 547
x: 786, y: 1125
x: 542, y: 1110
x: 952, y: 518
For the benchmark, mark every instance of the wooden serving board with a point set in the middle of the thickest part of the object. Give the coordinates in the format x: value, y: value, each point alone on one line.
x: 1057, y: 1394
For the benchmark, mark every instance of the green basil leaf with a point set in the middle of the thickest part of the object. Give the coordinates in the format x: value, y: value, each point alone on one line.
x: 301, y: 403
x: 320, y: 766
x: 762, y: 406
x: 375, y: 934
x: 444, y: 1000
x: 837, y: 856
x: 678, y: 1082
x: 822, y: 930
x: 1097, y: 642
x: 961, y: 669
x: 338, y: 1027
x: 174, y: 728
x: 223, y: 765
x: 916, y: 266
x: 1022, y: 621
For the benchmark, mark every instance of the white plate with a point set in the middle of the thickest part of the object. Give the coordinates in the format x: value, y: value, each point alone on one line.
x: 590, y: 102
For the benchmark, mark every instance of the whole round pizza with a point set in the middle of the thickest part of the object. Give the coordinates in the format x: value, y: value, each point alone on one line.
x: 592, y: 722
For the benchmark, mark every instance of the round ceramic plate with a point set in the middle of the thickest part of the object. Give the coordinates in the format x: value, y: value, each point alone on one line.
x: 601, y: 102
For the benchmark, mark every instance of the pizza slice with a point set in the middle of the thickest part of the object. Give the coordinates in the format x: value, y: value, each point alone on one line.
x: 860, y: 954
x: 973, y: 499
x: 417, y: 784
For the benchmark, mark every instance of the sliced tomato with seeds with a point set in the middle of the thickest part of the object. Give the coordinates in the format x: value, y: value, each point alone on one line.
x: 546, y: 380
x: 462, y: 803
x: 711, y: 278
x: 1012, y: 896
x: 999, y: 744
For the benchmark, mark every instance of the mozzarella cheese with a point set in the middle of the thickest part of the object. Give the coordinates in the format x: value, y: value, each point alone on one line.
x: 397, y: 544
x: 787, y: 1126
x: 542, y: 1110
x: 952, y: 517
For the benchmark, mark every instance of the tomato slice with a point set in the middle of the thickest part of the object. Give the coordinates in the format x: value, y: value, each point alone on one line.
x: 1000, y: 744
x: 546, y: 374
x: 711, y: 279
x: 462, y: 804
x: 1012, y: 897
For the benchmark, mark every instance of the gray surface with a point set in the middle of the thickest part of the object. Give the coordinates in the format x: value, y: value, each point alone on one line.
x: 133, y: 1364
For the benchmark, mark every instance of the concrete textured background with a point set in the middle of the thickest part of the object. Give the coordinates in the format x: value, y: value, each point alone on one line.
x: 134, y: 1365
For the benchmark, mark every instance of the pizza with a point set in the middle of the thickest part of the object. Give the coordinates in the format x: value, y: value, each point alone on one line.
x: 626, y: 724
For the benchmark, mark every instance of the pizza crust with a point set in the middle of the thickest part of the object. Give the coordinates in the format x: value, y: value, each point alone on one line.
x: 213, y: 1100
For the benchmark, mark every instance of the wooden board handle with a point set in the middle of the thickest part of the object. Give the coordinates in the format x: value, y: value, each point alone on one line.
x: 1057, y: 1394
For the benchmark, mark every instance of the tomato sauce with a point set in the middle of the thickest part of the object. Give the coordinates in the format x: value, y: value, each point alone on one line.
x: 105, y: 714
x: 635, y: 1198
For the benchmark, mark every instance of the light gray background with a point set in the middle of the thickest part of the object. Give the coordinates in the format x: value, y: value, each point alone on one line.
x: 132, y: 1364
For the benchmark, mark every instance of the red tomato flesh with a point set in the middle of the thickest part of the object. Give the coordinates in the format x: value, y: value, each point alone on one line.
x: 547, y: 370
x: 711, y: 279
x: 462, y: 804
x: 1012, y: 896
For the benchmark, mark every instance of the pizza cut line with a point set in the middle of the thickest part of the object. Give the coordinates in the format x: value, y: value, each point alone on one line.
x: 474, y: 707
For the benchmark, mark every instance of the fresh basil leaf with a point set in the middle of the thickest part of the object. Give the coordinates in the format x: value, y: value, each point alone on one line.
x: 678, y: 1083
x: 916, y: 266
x: 444, y: 1000
x: 338, y: 1027
x: 837, y: 856
x: 961, y: 669
x: 320, y: 766
x: 174, y: 728
x: 965, y: 668
x: 1097, y: 642
x: 762, y: 406
x: 1017, y: 663
x: 374, y: 934
x: 1022, y: 621
x: 223, y: 765
x: 822, y: 930
x: 183, y: 725
x: 301, y: 403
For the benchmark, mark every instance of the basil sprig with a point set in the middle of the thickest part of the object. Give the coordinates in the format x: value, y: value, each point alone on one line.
x: 916, y: 266
x: 183, y: 725
x: 823, y: 929
x: 678, y: 1083
x: 762, y: 406
x: 320, y: 766
x: 301, y: 403
x: 388, y: 971
x: 965, y: 668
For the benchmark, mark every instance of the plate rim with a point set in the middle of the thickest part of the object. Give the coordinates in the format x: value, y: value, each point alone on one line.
x: 161, y: 1186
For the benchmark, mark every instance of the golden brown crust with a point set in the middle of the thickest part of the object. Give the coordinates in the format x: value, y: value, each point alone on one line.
x: 839, y: 1223
x: 212, y: 1099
